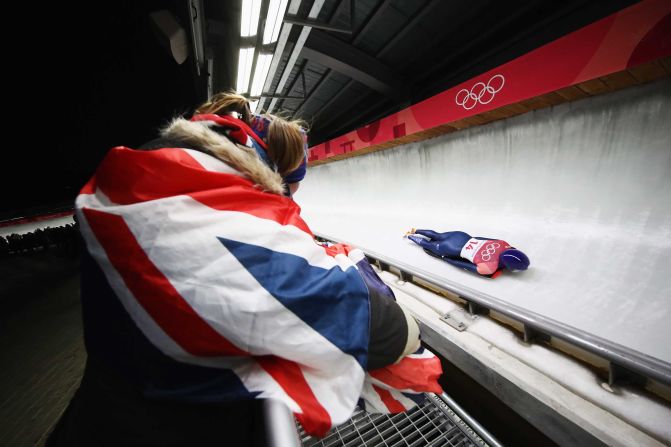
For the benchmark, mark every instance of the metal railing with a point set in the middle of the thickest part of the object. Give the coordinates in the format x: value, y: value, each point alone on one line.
x: 279, y: 425
x: 437, y: 422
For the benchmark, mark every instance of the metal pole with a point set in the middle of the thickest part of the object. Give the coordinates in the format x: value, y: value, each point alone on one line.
x: 280, y: 426
x: 475, y: 425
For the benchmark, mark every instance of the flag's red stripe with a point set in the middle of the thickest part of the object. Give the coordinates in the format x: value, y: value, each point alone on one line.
x: 90, y: 186
x: 412, y: 374
x: 153, y: 290
x: 388, y: 400
x: 128, y: 176
x: 290, y: 377
x: 232, y: 123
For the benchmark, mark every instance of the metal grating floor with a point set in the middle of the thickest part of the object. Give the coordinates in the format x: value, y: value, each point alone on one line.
x: 432, y: 424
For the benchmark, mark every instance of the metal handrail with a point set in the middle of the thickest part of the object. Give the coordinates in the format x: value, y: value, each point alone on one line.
x: 279, y: 424
x: 468, y: 420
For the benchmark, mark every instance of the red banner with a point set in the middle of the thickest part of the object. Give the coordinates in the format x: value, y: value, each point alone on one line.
x: 633, y: 36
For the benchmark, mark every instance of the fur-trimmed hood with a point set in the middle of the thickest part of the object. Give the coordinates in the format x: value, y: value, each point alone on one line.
x: 198, y: 135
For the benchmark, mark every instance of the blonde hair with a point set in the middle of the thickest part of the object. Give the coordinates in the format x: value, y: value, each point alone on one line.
x: 285, y: 143
x: 226, y: 102
x: 285, y: 137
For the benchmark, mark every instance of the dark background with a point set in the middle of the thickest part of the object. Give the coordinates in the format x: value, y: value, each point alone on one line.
x: 95, y: 78
x: 82, y: 77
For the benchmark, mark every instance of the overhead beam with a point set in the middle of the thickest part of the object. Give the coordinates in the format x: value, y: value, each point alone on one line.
x: 353, y: 63
x: 300, y: 75
x: 295, y: 52
x: 218, y: 28
x: 279, y: 50
x: 373, y: 19
x: 295, y: 20
x: 197, y: 24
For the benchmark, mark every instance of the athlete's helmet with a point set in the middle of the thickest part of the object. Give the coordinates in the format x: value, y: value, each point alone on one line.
x: 513, y: 259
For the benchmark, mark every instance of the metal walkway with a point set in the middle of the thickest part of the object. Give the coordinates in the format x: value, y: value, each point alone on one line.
x: 434, y: 423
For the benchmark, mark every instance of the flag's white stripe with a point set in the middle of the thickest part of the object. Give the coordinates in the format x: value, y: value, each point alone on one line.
x: 373, y: 402
x: 188, y: 216
x: 407, y: 403
x: 98, y: 197
x: 339, y: 391
x: 356, y: 255
x: 253, y: 377
x: 344, y: 262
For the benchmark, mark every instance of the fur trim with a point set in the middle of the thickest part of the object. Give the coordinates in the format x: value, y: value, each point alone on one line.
x: 240, y: 158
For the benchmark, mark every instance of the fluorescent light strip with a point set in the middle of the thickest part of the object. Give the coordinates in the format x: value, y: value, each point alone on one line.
x: 274, y: 20
x: 244, y: 68
x: 250, y: 17
x: 261, y: 72
x: 253, y: 105
x: 295, y: 52
x: 279, y: 50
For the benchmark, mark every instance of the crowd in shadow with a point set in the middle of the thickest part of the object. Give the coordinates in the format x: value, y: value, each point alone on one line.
x: 63, y: 240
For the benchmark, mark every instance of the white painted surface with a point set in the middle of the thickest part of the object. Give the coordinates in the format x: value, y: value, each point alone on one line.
x: 584, y: 189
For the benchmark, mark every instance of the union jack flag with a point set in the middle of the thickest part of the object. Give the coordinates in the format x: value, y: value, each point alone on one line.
x: 228, y: 293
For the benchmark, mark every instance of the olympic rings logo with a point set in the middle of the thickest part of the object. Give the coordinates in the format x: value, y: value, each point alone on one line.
x: 489, y: 250
x: 480, y: 93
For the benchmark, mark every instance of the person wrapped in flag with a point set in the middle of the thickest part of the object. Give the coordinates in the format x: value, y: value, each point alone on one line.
x: 203, y: 289
x: 486, y: 256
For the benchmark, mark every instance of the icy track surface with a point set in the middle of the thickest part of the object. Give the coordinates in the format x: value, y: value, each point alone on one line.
x: 584, y: 189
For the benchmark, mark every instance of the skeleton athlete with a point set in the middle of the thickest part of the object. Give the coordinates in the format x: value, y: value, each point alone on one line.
x: 486, y: 256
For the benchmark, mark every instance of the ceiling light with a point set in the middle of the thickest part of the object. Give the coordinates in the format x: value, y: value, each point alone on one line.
x: 252, y: 105
x: 244, y: 68
x: 274, y: 20
x: 250, y: 17
x: 260, y: 74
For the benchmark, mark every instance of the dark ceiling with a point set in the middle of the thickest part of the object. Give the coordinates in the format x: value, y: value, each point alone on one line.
x: 97, y: 74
